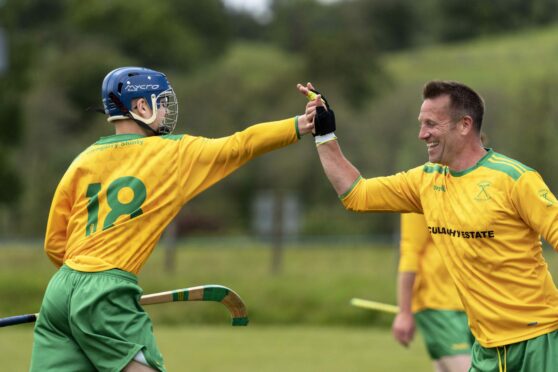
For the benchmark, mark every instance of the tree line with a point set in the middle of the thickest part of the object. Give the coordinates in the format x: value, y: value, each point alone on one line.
x: 229, y: 70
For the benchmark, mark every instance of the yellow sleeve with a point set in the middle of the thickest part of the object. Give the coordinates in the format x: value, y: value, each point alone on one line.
x: 537, y: 206
x: 414, y: 236
x: 56, y: 232
x: 397, y: 193
x: 206, y: 161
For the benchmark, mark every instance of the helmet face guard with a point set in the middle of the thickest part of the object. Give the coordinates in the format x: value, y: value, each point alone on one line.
x: 167, y: 101
x: 126, y: 84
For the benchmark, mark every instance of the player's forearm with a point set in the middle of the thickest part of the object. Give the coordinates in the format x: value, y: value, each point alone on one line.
x: 264, y: 137
x: 405, y: 283
x: 340, y: 172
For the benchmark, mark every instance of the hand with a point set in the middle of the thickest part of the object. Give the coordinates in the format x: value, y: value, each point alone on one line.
x: 403, y: 328
x: 324, y: 117
x: 306, y: 123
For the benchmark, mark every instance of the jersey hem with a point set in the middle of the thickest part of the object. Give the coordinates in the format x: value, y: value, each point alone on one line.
x: 436, y: 308
x: 522, y: 338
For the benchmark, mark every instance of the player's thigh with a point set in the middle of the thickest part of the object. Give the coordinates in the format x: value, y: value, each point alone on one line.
x: 445, y: 332
x: 53, y: 352
x: 109, y: 324
x: 54, y: 348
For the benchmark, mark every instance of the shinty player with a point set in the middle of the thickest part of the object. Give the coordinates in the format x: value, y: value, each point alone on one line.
x: 428, y: 298
x: 486, y: 213
x: 109, y: 211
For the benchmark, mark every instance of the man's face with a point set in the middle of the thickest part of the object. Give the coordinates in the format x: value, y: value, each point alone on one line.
x: 438, y: 130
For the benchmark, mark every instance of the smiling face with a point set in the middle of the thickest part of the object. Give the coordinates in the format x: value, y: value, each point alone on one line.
x: 439, y: 130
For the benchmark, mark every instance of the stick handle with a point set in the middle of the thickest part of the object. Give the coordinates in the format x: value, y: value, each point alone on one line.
x: 18, y: 319
x: 374, y: 305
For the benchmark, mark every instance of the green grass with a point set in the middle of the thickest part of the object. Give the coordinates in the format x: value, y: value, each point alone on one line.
x: 300, y: 319
x: 314, y: 286
x: 262, y: 349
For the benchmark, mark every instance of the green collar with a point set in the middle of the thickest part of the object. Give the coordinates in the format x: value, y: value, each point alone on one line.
x: 489, y: 153
x: 118, y: 138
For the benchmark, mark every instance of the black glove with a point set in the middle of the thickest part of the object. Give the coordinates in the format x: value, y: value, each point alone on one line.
x: 324, y: 122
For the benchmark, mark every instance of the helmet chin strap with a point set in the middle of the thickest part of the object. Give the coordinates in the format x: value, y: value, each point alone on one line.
x: 145, y: 126
x: 129, y: 114
x: 153, y: 117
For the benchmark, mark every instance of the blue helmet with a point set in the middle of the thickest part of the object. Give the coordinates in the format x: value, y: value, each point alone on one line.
x: 125, y: 84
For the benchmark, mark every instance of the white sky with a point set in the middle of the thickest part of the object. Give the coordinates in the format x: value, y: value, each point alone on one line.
x: 260, y: 8
x: 257, y: 7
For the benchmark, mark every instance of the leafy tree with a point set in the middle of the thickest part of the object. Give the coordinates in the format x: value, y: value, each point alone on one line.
x: 331, y: 40
x: 465, y: 20
x: 177, y: 35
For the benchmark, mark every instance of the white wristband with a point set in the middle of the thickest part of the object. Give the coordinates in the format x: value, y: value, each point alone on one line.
x: 325, y: 138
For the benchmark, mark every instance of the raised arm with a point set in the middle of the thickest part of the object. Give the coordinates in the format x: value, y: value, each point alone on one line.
x: 340, y: 172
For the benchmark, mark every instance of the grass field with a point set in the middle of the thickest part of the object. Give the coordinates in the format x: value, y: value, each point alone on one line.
x: 314, y: 285
x: 300, y: 319
x: 261, y: 349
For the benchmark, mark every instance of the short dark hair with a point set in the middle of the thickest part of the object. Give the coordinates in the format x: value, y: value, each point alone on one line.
x: 463, y: 100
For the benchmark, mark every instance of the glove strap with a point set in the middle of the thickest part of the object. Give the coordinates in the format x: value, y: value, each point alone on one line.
x: 320, y: 140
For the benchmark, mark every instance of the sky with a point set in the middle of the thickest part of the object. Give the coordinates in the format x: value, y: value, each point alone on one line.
x: 259, y: 8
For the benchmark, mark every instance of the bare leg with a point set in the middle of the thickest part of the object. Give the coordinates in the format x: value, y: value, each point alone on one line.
x: 134, y: 366
x: 454, y: 363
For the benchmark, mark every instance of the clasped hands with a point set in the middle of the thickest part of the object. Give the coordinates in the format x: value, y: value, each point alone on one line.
x: 319, y: 118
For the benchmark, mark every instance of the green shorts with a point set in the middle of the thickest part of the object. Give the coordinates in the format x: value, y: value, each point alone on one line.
x: 92, y: 322
x: 445, y: 332
x: 537, y: 354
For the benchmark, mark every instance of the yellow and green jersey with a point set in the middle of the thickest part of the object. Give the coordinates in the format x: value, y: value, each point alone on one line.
x: 433, y: 288
x: 487, y: 223
x: 116, y: 198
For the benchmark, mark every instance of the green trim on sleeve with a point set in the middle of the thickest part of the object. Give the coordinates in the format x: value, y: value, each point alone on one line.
x: 296, y: 127
x: 344, y: 195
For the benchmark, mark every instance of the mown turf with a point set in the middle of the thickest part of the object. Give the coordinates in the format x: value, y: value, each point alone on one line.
x: 314, y: 285
x: 261, y: 349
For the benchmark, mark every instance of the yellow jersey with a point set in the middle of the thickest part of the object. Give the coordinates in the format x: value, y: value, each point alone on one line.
x: 486, y: 222
x: 116, y: 198
x: 433, y: 287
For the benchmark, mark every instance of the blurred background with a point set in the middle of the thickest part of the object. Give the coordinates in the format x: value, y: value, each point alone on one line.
x: 274, y: 230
